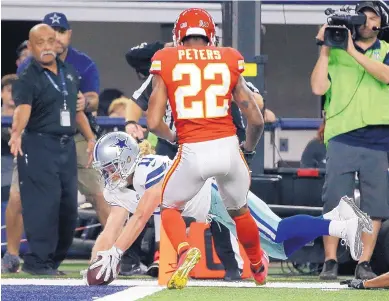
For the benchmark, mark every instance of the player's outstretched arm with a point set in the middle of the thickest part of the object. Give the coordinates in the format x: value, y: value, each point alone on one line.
x: 111, y: 231
x: 246, y: 102
x: 147, y: 204
x: 156, y: 111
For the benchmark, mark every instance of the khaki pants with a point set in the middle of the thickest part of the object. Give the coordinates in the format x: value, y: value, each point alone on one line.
x: 89, y: 180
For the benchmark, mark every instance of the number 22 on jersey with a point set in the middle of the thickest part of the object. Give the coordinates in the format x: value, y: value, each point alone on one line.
x: 207, y: 107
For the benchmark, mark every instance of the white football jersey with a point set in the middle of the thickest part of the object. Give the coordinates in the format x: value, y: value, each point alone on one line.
x: 149, y: 171
x: 122, y: 197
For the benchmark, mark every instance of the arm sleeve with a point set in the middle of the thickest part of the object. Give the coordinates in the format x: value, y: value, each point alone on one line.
x: 142, y: 95
x: 90, y: 79
x: 156, y: 63
x: 237, y: 60
x: 23, y: 92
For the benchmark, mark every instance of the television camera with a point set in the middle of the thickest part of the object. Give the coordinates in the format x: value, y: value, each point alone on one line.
x: 336, y: 34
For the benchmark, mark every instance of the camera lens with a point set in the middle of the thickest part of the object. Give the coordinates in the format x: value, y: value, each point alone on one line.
x: 339, y: 35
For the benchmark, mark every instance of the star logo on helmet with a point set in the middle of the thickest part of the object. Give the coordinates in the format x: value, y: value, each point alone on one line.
x: 121, y: 144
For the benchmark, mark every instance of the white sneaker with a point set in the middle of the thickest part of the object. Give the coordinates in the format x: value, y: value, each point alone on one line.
x: 347, y: 209
x: 351, y: 236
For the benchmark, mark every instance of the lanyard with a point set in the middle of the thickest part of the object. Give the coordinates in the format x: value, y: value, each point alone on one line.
x: 64, y: 90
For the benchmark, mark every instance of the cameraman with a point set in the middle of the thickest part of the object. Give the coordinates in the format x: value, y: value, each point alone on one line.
x: 355, y: 84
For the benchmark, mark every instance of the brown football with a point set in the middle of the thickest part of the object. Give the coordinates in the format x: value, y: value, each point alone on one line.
x: 92, y: 273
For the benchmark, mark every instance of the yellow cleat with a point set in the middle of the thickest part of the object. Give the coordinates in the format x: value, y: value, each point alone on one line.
x: 186, y: 263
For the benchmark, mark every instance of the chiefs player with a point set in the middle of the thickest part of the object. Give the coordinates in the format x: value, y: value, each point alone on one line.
x: 200, y: 81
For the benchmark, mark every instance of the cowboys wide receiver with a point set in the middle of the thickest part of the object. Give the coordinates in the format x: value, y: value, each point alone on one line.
x: 122, y: 163
x: 131, y: 172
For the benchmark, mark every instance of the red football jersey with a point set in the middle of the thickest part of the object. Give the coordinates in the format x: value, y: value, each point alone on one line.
x: 199, y: 83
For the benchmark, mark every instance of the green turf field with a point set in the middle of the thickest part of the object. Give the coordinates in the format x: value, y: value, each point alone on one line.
x: 73, y: 268
x: 266, y: 294
x: 293, y: 291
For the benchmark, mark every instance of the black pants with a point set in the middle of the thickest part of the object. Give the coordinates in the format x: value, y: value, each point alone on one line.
x: 48, y: 189
x: 220, y: 234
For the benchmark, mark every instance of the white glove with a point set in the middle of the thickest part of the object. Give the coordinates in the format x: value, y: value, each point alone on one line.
x: 109, y: 262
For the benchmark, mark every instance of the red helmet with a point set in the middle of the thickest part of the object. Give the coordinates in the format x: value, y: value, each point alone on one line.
x: 194, y: 22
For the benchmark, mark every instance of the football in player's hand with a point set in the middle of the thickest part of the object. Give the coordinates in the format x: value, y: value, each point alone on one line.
x: 92, y: 273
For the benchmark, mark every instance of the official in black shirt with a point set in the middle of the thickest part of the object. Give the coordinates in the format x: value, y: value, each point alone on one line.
x: 46, y: 96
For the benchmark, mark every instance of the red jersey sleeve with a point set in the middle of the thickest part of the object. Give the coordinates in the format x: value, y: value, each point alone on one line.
x: 156, y: 63
x: 237, y: 60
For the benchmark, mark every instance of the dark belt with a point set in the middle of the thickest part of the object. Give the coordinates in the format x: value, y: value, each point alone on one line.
x: 63, y: 139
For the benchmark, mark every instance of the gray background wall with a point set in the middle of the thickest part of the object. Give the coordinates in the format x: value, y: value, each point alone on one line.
x: 107, y: 44
x: 292, y: 54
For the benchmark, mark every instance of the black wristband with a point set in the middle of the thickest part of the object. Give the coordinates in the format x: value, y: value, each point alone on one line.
x: 130, y: 122
x: 319, y: 42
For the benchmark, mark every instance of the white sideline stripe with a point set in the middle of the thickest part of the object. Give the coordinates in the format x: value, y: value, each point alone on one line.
x: 132, y: 294
x: 192, y: 282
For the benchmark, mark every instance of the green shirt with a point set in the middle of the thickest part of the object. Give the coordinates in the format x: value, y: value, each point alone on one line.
x: 355, y: 98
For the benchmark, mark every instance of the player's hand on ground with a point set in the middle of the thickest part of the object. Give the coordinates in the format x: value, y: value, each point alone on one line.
x: 357, y: 283
x: 354, y: 283
x: 109, y: 262
x: 136, y: 131
x: 80, y: 102
x: 15, y: 144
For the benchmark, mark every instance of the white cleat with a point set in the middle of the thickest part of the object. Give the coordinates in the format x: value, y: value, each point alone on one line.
x: 351, y: 236
x: 347, y: 209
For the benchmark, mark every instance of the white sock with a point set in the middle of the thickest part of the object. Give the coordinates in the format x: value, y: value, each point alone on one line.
x: 336, y: 228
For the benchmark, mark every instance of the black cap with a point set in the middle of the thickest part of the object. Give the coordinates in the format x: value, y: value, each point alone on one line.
x: 370, y: 5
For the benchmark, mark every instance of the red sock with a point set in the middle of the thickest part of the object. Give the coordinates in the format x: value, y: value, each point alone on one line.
x: 175, y: 229
x: 248, y: 236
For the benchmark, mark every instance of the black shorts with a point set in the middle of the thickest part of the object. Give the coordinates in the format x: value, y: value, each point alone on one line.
x: 371, y: 166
